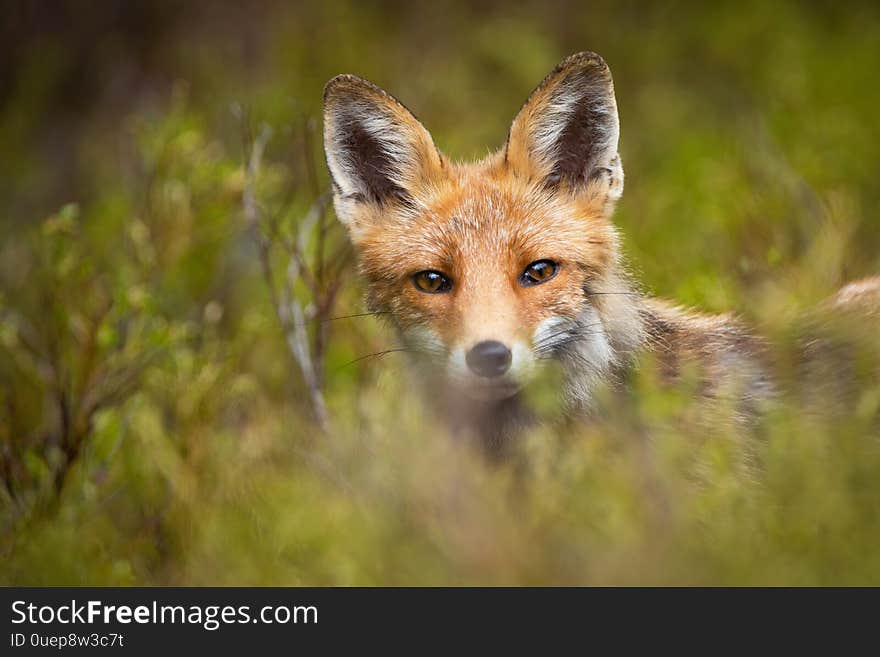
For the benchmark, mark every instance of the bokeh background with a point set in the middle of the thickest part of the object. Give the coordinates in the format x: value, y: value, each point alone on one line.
x: 155, y: 427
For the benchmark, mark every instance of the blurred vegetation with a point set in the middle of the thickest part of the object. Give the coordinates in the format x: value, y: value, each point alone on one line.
x: 156, y: 429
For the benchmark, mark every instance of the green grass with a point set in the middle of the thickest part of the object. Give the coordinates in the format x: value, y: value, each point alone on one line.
x: 750, y: 146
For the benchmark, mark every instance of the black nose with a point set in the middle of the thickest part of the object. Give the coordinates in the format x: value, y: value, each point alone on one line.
x: 489, y: 358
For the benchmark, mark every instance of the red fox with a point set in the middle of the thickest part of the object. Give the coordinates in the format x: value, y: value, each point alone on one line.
x: 488, y: 270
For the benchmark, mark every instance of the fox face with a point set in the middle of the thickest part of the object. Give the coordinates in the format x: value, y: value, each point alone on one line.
x: 490, y: 269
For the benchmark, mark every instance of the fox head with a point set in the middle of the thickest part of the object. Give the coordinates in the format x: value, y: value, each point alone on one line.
x: 488, y: 269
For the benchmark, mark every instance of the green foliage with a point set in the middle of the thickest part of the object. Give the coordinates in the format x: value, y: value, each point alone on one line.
x: 155, y: 428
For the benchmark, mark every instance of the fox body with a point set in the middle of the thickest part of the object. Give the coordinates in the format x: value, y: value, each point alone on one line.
x: 490, y: 270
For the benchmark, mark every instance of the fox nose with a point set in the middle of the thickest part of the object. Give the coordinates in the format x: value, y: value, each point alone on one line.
x: 489, y: 358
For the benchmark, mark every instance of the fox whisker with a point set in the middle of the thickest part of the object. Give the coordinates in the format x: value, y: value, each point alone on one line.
x: 414, y: 349
x: 377, y: 354
x: 372, y: 314
x: 548, y: 345
x: 591, y: 293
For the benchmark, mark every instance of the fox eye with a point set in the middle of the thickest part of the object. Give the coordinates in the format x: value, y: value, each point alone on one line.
x: 432, y: 282
x: 538, y: 272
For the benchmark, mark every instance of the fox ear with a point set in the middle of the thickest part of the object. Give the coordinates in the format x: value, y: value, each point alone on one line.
x: 567, y: 130
x: 377, y: 151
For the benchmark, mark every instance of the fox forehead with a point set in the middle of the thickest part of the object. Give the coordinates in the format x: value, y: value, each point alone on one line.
x: 477, y: 213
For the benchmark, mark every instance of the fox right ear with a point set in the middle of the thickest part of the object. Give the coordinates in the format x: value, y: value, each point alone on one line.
x: 377, y: 151
x: 566, y: 132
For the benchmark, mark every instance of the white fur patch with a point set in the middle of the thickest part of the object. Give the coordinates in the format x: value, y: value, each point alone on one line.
x: 553, y: 122
x: 557, y: 117
x: 383, y: 129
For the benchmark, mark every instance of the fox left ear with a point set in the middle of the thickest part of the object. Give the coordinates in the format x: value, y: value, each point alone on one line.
x: 566, y: 132
x: 378, y: 153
